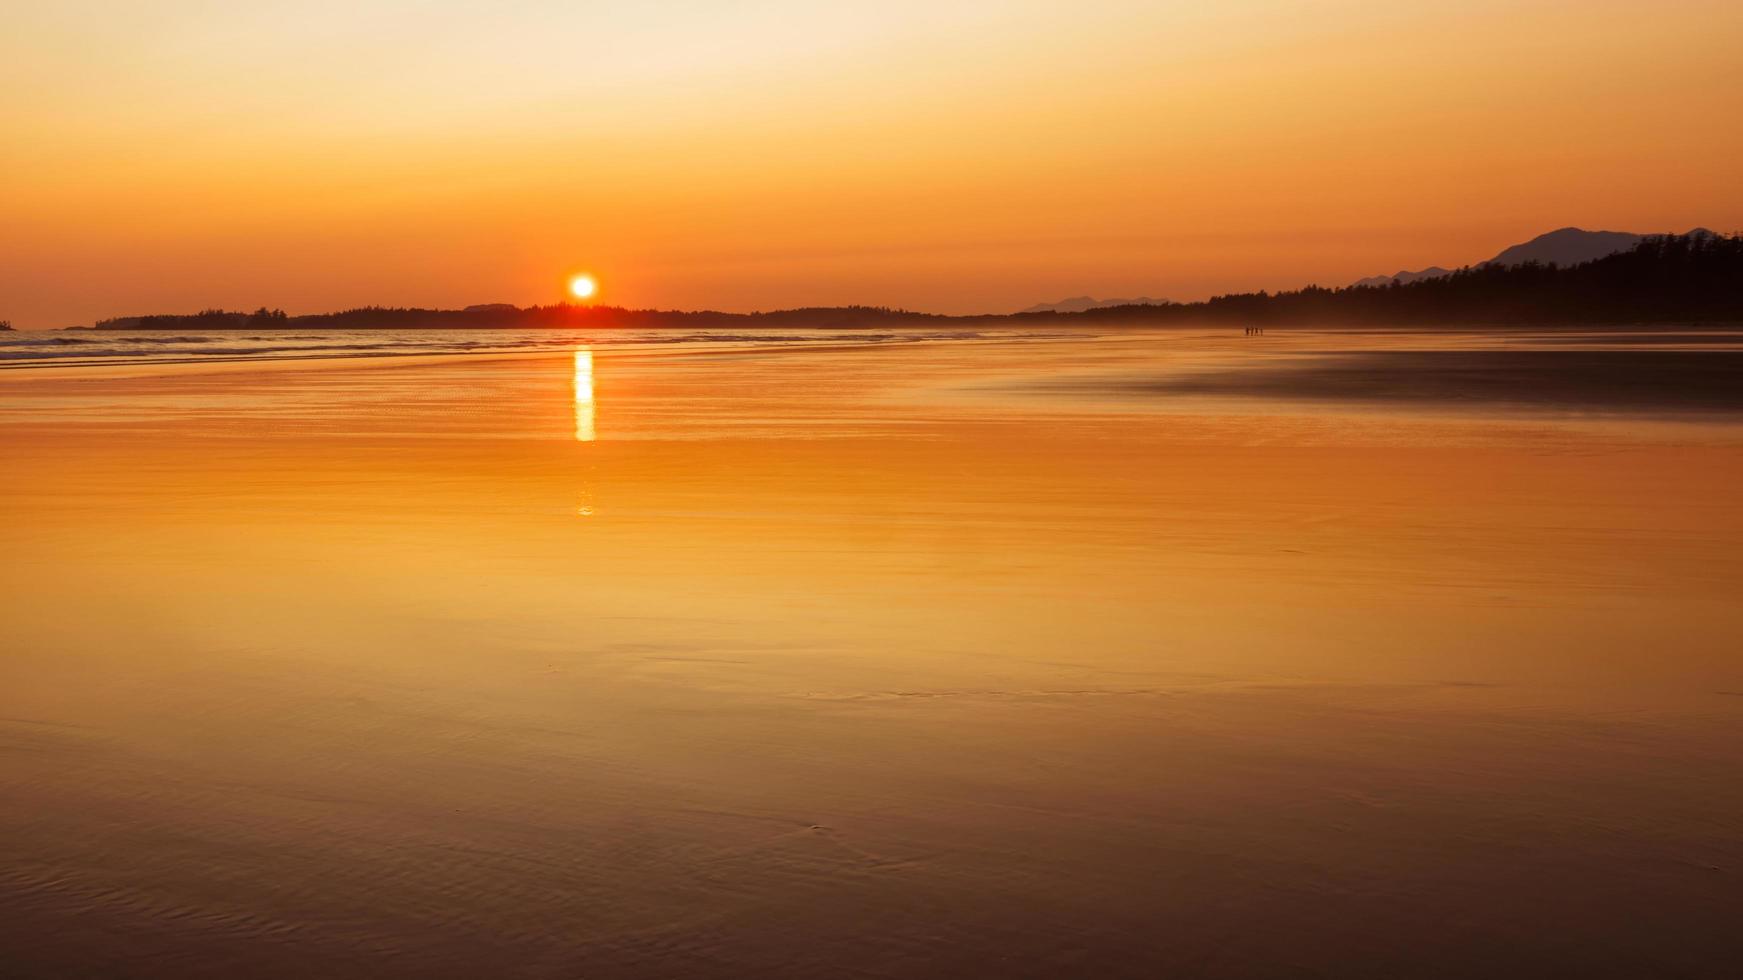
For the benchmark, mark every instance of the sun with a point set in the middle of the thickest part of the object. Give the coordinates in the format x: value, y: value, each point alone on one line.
x: 583, y: 287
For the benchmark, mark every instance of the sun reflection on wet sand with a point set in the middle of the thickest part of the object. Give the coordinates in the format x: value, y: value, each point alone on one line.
x: 584, y: 431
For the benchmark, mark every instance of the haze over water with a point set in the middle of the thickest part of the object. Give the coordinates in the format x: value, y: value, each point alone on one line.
x: 1149, y: 653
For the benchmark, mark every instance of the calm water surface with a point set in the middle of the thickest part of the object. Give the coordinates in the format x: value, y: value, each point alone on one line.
x: 1173, y: 653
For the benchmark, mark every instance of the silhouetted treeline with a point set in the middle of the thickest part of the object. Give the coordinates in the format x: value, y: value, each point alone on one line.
x: 1665, y: 279
x: 560, y: 315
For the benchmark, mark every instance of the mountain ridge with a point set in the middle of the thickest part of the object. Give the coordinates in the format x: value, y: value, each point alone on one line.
x: 1078, y: 304
x: 1404, y: 276
x: 1563, y: 246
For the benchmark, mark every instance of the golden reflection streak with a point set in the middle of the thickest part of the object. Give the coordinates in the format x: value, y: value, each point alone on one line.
x: 584, y: 431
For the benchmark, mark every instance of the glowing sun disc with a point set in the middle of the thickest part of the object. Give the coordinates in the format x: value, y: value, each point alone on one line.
x: 583, y: 287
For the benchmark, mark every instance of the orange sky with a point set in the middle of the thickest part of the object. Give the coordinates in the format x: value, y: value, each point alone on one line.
x: 937, y: 155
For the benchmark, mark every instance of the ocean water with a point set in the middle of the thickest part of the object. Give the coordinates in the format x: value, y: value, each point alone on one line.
x: 1119, y: 653
x: 93, y: 348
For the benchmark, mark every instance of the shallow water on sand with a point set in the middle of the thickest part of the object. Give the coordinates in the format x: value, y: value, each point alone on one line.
x: 1172, y: 653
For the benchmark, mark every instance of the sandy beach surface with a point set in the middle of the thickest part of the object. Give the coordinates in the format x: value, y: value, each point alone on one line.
x: 1175, y: 653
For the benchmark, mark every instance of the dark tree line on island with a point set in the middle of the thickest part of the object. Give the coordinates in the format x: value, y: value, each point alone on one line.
x: 1664, y: 279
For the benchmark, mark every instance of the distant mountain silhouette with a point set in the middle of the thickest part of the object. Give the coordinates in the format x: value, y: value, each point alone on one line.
x: 1563, y: 246
x: 1662, y: 279
x: 1567, y: 246
x: 1077, y: 304
x: 1401, y: 276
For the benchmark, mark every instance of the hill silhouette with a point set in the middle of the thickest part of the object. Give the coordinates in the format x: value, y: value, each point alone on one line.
x: 1567, y: 246
x: 1077, y: 304
x: 1661, y: 279
x: 1402, y: 275
x: 1563, y: 246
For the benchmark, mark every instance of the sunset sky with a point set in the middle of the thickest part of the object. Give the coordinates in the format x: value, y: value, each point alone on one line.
x: 938, y: 155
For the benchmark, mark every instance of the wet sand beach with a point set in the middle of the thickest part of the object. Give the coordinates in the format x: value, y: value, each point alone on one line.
x: 1167, y: 653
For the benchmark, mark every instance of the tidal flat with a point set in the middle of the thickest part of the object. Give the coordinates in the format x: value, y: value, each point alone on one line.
x: 1133, y: 653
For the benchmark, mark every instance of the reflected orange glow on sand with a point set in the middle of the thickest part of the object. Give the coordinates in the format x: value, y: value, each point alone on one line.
x: 868, y: 648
